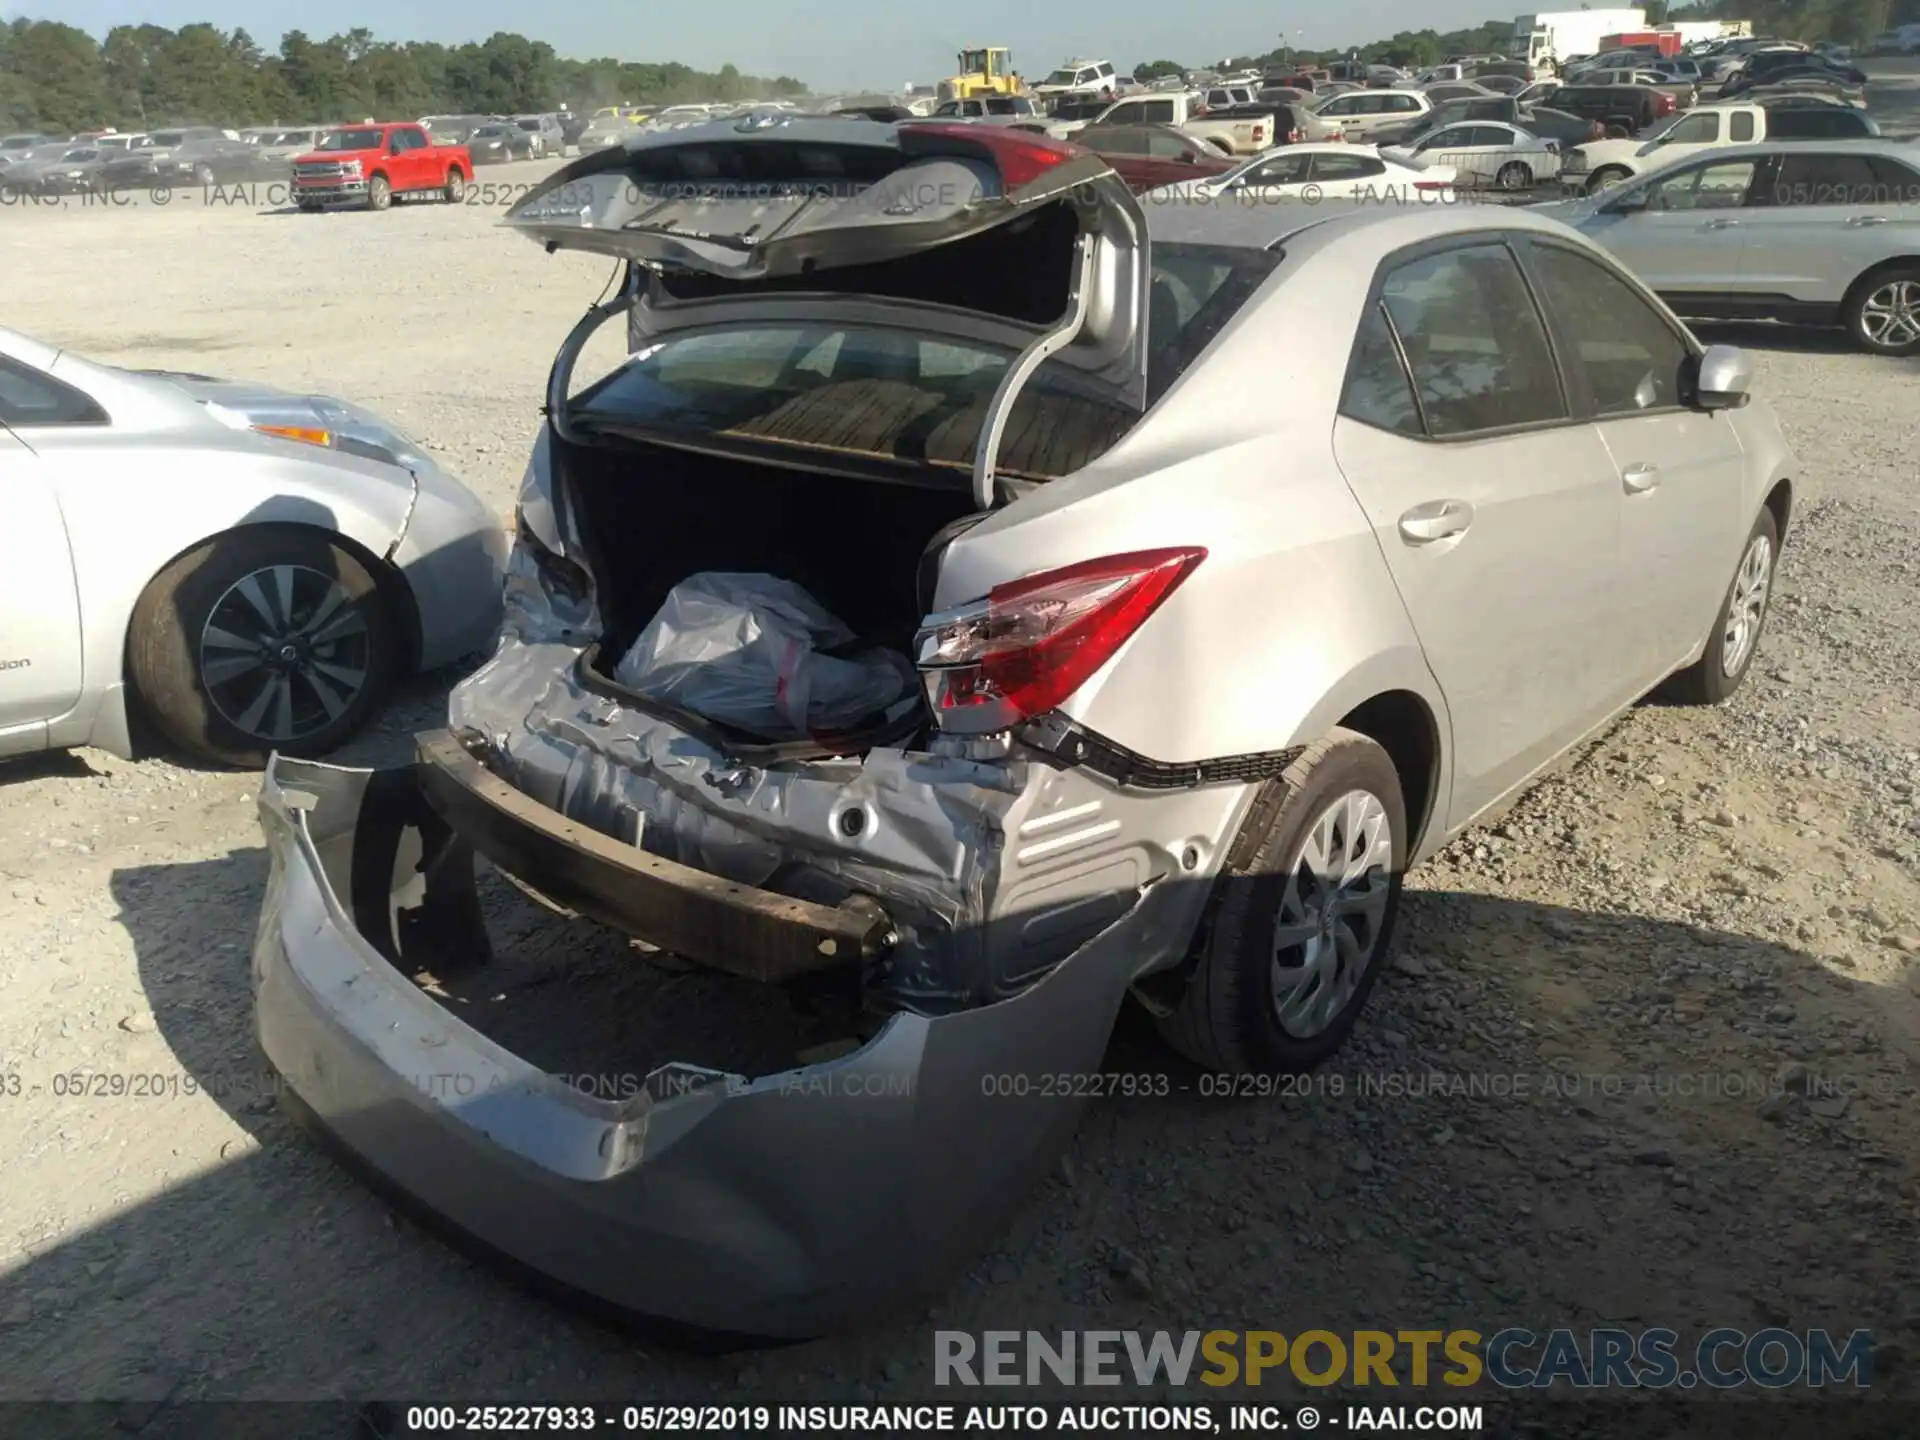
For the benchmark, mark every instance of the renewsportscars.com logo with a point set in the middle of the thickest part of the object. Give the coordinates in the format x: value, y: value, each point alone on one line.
x: 1514, y: 1359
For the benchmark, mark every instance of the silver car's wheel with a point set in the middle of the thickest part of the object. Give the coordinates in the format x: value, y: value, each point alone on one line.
x: 269, y: 637
x: 1331, y: 913
x: 1301, y: 916
x: 285, y: 653
x: 1888, y: 317
x: 1747, y: 606
x: 1735, y: 638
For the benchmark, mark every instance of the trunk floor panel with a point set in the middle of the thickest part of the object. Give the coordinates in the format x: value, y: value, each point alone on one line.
x: 583, y: 1002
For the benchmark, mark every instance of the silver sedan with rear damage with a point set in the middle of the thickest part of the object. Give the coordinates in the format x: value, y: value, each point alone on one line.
x: 1195, y: 666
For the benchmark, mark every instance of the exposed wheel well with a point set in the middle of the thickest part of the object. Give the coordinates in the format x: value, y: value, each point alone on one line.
x: 1402, y: 725
x: 1780, y: 501
x: 393, y: 585
x: 1867, y: 277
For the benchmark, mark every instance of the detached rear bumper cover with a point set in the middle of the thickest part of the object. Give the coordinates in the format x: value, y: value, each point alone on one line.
x: 781, y: 1207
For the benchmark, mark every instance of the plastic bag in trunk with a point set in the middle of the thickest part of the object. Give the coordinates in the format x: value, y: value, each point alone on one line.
x: 756, y: 652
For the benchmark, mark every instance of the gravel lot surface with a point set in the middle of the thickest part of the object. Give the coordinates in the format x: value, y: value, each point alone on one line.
x: 1671, y: 1001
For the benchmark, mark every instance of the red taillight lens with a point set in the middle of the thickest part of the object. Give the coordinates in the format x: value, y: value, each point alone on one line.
x: 1032, y: 643
x: 1433, y: 184
x: 1259, y: 134
x: 1020, y: 156
x: 1294, y: 137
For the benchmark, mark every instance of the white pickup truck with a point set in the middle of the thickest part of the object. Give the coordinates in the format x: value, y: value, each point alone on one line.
x: 1598, y: 164
x: 1236, y: 134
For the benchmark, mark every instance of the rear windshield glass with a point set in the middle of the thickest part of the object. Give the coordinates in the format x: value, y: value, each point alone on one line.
x: 888, y: 395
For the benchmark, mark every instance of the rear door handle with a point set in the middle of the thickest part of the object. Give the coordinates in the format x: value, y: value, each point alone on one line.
x: 1721, y: 225
x: 1640, y: 478
x: 1435, y: 520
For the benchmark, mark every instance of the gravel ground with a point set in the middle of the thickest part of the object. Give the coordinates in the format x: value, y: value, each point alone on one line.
x: 1672, y: 995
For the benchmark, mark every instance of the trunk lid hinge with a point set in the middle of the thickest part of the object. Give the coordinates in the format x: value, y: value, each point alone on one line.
x: 1000, y: 408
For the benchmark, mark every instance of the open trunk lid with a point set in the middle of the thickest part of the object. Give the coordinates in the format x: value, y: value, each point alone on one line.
x: 760, y: 208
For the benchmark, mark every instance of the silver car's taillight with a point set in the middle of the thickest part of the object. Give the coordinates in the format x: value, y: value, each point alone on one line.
x: 1030, y: 644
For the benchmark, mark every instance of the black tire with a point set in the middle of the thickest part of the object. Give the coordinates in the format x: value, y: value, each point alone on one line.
x: 1897, y: 286
x: 1227, y: 1018
x: 173, y: 664
x: 1709, y: 680
x: 1606, y: 177
x: 1617, y: 131
x: 455, y: 189
x: 203, y: 175
x: 309, y: 207
x: 379, y: 193
x: 1513, y: 176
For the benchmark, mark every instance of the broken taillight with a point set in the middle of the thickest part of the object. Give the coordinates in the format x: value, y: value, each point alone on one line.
x: 1033, y: 642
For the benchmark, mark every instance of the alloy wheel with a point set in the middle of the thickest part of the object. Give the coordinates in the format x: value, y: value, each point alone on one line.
x: 1890, y: 316
x: 1332, y: 911
x: 1747, y: 607
x: 284, y: 653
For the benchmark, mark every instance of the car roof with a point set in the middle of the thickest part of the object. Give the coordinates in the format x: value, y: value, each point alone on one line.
x: 1848, y: 144
x: 1368, y: 227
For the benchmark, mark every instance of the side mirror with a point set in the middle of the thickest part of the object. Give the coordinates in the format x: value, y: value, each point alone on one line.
x: 1724, y: 379
x: 1631, y: 203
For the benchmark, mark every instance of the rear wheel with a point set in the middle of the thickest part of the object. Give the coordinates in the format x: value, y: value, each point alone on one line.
x: 1617, y: 131
x: 456, y: 187
x: 1736, y: 630
x: 270, y: 637
x: 1883, y: 311
x: 1513, y: 176
x: 1606, y: 177
x: 379, y: 193
x: 1304, y: 911
x: 203, y: 175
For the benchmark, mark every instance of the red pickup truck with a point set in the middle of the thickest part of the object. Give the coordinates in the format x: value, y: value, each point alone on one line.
x: 370, y: 164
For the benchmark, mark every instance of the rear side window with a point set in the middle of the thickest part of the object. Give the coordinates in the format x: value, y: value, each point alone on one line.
x: 1627, y: 353
x: 1378, y: 390
x: 1474, y: 341
x: 1158, y: 112
x: 29, y: 398
x: 1346, y: 167
x: 1740, y: 127
x: 1825, y: 179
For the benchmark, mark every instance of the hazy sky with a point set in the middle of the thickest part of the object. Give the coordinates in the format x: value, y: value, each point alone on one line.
x: 831, y: 46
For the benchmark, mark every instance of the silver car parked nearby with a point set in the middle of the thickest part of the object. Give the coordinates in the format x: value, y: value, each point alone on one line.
x: 248, y: 568
x: 1821, y: 233
x: 1204, y: 664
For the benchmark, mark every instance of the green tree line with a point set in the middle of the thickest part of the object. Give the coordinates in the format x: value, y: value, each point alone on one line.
x: 55, y: 77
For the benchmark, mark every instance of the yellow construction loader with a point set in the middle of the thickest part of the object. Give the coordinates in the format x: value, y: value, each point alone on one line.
x: 986, y: 71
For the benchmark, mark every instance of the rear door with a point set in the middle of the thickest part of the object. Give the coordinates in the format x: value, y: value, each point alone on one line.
x: 1681, y: 471
x: 1351, y: 176
x: 1825, y: 218
x: 1496, y: 507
